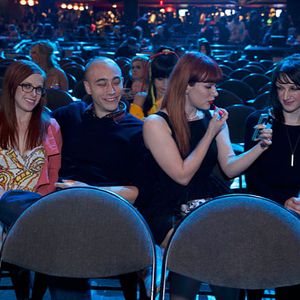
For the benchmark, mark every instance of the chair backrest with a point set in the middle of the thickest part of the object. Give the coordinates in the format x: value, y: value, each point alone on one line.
x: 265, y: 88
x: 81, y: 233
x: 71, y: 80
x: 240, y: 88
x: 267, y: 63
x: 269, y: 73
x: 254, y: 68
x: 74, y: 69
x: 239, y: 73
x: 238, y: 240
x: 226, y: 98
x: 57, y: 98
x: 79, y: 90
x: 241, y: 62
x: 236, y: 121
x: 225, y: 69
x: 256, y: 81
x: 261, y: 101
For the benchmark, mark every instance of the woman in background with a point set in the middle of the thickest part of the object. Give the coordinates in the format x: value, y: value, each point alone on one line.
x: 160, y: 67
x: 42, y: 53
x: 138, y: 77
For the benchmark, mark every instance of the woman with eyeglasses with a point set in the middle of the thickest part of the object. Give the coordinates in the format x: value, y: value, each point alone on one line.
x: 30, y: 150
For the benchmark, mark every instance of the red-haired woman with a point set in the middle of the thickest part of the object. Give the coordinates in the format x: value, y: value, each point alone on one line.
x: 186, y: 141
x: 30, y: 146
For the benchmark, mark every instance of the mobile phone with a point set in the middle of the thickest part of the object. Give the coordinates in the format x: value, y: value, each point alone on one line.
x: 264, y: 119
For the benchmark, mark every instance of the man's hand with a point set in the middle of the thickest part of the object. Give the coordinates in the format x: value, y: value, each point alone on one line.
x: 129, y: 193
x: 293, y: 204
x: 67, y: 183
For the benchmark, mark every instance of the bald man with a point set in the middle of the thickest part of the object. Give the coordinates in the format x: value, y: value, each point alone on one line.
x: 102, y: 147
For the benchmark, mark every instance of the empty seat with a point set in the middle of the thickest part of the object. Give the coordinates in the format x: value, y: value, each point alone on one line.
x: 236, y: 121
x: 240, y: 241
x: 254, y: 69
x: 79, y: 90
x: 261, y: 101
x: 241, y: 62
x: 238, y: 87
x: 226, y: 98
x: 57, y: 98
x: 81, y: 233
x: 225, y: 69
x: 266, y: 87
x: 256, y: 81
x: 267, y: 63
x: 239, y: 73
x: 74, y: 69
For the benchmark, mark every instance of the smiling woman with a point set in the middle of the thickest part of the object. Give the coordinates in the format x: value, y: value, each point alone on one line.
x: 30, y: 147
x: 276, y: 174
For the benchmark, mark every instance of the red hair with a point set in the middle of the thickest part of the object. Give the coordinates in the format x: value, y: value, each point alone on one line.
x: 192, y: 67
x: 16, y: 73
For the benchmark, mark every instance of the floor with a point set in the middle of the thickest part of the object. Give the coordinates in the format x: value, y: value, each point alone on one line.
x: 96, y: 294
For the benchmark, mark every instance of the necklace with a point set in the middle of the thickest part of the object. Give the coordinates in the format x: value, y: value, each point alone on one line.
x: 293, y: 148
x: 196, y: 115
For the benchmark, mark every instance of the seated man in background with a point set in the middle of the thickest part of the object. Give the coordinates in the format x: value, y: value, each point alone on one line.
x: 102, y: 147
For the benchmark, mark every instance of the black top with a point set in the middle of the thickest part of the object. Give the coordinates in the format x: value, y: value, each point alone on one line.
x: 167, y: 195
x: 99, y: 151
x: 272, y: 175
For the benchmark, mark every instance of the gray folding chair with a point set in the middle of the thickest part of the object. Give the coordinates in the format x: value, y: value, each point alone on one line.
x: 239, y: 241
x: 81, y: 233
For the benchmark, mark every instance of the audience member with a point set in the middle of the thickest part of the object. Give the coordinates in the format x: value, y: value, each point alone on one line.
x: 129, y: 48
x: 13, y: 33
x: 161, y: 65
x: 160, y: 36
x: 138, y: 81
x: 102, y: 145
x: 30, y: 145
x: 38, y: 31
x: 42, y: 53
x: 254, y: 29
x: 204, y: 46
x: 275, y: 175
x: 223, y: 32
x: 237, y: 30
x: 185, y: 143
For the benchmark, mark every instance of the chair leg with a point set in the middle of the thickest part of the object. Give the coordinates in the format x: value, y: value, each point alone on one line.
x: 21, y: 282
x: 129, y: 285
x: 39, y: 286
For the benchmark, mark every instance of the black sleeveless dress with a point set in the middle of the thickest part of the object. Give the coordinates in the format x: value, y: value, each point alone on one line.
x: 162, y: 206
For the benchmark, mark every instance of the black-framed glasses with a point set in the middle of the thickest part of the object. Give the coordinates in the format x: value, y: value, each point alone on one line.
x: 28, y: 88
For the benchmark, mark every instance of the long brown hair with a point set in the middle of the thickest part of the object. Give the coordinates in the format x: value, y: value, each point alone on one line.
x: 192, y: 67
x: 16, y: 73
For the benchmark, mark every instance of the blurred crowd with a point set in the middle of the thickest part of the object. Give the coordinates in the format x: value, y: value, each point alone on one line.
x: 152, y: 29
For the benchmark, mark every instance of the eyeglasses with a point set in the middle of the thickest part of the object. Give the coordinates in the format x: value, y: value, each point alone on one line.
x: 28, y: 88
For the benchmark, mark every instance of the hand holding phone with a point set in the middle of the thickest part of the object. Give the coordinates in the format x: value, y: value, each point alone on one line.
x: 264, y: 119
